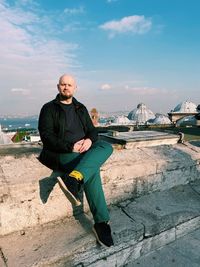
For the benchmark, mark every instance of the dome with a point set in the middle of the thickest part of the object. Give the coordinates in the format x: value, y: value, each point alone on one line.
x: 187, y: 121
x: 186, y: 107
x: 141, y: 114
x: 121, y: 120
x: 161, y: 119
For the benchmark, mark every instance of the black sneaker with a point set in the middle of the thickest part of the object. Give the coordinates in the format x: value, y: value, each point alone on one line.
x: 102, y: 232
x: 71, y: 188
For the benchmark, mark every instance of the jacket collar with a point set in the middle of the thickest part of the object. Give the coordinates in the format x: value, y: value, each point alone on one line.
x: 74, y: 101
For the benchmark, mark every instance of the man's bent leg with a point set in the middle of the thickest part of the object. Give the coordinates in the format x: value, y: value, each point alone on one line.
x: 89, y: 164
x: 71, y: 186
x: 92, y: 160
x: 96, y: 199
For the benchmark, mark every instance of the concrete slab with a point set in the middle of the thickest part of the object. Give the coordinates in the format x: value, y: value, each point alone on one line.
x: 134, y: 139
x: 163, y: 210
x: 30, y: 195
x: 195, y: 186
x: 66, y: 241
x: 139, y: 226
x: 182, y: 252
x: 164, y: 257
x: 47, y: 244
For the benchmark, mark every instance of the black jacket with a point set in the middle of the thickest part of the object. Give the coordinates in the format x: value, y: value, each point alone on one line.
x: 52, y: 131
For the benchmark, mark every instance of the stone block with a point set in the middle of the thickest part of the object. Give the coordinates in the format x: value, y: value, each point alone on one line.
x: 161, y: 211
x: 187, y: 227
x: 158, y: 241
x: 30, y: 193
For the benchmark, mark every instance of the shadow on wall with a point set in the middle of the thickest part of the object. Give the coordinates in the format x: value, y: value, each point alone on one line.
x: 46, y: 186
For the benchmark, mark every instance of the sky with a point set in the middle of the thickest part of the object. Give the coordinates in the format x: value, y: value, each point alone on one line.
x: 121, y: 52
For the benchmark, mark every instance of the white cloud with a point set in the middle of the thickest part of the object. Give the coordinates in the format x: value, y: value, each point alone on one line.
x: 135, y: 24
x: 74, y: 11
x: 20, y: 91
x: 30, y: 53
x: 105, y: 86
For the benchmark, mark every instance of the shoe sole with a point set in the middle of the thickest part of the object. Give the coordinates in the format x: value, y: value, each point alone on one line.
x: 67, y: 193
x: 97, y: 238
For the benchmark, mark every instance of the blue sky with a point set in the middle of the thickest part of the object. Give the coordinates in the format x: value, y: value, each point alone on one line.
x: 122, y: 52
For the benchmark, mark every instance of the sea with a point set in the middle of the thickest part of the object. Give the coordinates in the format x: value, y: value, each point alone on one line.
x: 11, y: 124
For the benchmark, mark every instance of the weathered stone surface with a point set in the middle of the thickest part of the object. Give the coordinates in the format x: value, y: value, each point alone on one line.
x: 54, y: 241
x: 158, y: 240
x: 135, y: 139
x: 138, y: 227
x: 163, y: 210
x: 184, y: 251
x: 124, y: 227
x: 196, y: 186
x: 185, y: 228
x: 30, y: 195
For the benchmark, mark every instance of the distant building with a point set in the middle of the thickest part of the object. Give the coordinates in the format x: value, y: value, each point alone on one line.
x: 182, y: 110
x: 94, y: 116
x: 121, y: 120
x: 141, y: 114
x: 34, y: 137
x: 160, y: 119
x: 4, y: 139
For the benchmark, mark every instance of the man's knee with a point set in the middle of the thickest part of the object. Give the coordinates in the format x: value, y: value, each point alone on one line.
x: 104, y: 145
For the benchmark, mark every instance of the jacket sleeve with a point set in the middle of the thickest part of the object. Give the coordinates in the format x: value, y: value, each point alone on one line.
x: 48, y: 133
x: 91, y: 131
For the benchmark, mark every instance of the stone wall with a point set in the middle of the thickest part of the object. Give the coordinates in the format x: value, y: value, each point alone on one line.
x: 31, y: 196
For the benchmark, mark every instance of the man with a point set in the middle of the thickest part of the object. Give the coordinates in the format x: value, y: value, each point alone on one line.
x: 70, y: 144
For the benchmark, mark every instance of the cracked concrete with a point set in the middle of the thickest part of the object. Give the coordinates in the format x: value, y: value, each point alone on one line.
x: 153, y: 195
x: 30, y: 195
x: 182, y: 252
x: 139, y: 226
x: 3, y: 259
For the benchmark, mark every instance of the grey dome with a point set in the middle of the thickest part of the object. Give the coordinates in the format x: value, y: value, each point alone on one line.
x: 141, y: 114
x: 161, y: 119
x: 186, y: 107
x: 121, y: 120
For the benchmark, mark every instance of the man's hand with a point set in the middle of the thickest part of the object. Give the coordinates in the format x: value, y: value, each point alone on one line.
x: 85, y: 145
x: 82, y: 145
x: 78, y: 145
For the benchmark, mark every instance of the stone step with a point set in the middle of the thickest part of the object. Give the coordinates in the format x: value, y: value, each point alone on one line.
x: 31, y: 196
x: 139, y: 226
x: 137, y: 139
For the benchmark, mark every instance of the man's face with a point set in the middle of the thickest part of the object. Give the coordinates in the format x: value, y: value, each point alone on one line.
x: 66, y: 87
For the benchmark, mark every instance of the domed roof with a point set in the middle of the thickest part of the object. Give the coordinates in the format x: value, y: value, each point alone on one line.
x: 141, y: 114
x: 186, y: 107
x: 161, y: 119
x: 121, y: 120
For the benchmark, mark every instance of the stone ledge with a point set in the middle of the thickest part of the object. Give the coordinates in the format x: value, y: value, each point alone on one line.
x: 139, y: 226
x: 30, y: 195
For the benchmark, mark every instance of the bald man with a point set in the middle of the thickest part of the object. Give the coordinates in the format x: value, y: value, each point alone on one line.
x: 70, y: 144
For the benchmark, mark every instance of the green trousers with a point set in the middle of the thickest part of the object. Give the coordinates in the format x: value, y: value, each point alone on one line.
x: 88, y: 164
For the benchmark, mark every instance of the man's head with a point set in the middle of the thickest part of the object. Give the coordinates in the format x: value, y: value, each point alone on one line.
x: 66, y: 87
